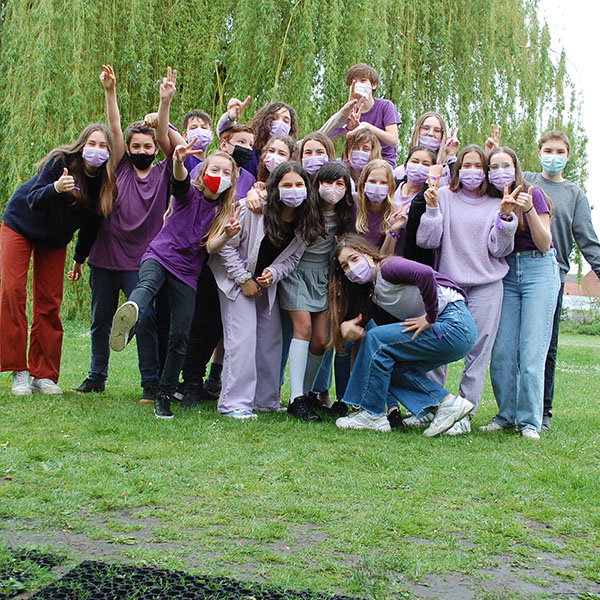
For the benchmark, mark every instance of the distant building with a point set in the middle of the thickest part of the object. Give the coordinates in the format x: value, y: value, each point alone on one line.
x: 581, y: 302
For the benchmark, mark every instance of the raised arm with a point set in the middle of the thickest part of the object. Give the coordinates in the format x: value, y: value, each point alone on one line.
x: 109, y: 81
x: 167, y: 91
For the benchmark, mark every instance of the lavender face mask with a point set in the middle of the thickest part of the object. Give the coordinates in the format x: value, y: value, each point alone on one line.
x: 201, y: 137
x: 430, y: 142
x: 95, y: 157
x: 499, y: 177
x: 417, y: 174
x: 331, y: 193
x: 471, y: 179
x: 376, y: 193
x: 361, y: 272
x: 279, y: 128
x: 359, y: 159
x: 292, y: 197
x: 313, y: 163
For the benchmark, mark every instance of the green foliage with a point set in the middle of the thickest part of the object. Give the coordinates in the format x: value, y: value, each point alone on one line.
x: 477, y: 62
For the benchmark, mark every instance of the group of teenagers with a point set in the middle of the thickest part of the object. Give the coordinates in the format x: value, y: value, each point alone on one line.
x: 271, y: 250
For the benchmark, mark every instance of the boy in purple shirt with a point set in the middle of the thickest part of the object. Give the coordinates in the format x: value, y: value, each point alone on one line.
x: 363, y: 111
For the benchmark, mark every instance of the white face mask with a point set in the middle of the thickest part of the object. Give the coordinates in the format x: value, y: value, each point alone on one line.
x: 364, y: 89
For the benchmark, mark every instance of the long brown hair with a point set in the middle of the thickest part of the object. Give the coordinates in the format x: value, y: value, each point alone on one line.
x: 414, y: 140
x: 455, y: 184
x: 70, y: 155
x: 261, y: 123
x: 347, y: 299
x: 519, y: 181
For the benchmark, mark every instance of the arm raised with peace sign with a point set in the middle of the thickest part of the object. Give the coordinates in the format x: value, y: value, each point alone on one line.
x: 509, y: 201
x: 494, y: 140
x: 433, y: 181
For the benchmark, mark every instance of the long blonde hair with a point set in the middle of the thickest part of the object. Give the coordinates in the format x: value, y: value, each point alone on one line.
x: 414, y: 140
x: 363, y: 203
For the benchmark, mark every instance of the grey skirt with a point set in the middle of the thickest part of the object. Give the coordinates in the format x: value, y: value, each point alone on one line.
x: 305, y: 288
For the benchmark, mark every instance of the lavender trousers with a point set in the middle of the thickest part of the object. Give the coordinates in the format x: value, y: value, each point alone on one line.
x: 252, y: 338
x: 485, y: 306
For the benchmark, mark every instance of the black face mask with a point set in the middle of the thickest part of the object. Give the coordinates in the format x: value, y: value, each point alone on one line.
x: 241, y: 156
x: 142, y: 161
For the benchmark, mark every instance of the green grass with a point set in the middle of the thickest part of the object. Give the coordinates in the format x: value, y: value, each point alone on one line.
x: 302, y: 505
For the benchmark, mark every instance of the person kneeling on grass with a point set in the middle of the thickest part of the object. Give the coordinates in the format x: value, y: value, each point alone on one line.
x: 415, y: 320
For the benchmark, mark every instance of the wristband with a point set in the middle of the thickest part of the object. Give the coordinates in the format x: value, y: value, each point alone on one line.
x: 245, y: 277
x: 396, y: 236
x: 528, y: 210
x: 172, y: 127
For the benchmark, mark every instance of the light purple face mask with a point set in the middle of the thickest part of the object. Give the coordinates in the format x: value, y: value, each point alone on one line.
x: 499, y: 177
x: 95, y: 157
x: 416, y: 173
x: 201, y: 137
x: 359, y: 159
x: 292, y: 197
x: 279, y: 128
x: 331, y: 193
x: 272, y: 160
x: 430, y: 142
x: 376, y: 193
x: 361, y: 272
x: 312, y: 164
x: 471, y: 179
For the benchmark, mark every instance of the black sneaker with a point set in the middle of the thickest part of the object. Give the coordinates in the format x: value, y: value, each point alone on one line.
x: 149, y: 393
x: 193, y: 396
x: 90, y: 385
x: 546, y: 423
x: 395, y: 419
x: 212, y: 387
x: 162, y: 406
x: 301, y: 407
x: 338, y: 409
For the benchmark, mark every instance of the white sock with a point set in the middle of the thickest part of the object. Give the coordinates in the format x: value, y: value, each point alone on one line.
x: 313, y: 364
x: 298, y: 359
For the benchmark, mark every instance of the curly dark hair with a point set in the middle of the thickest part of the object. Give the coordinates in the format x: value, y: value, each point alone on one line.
x: 261, y: 123
x: 309, y: 219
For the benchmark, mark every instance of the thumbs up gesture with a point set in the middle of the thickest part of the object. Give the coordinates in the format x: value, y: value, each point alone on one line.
x: 65, y: 183
x: 352, y: 329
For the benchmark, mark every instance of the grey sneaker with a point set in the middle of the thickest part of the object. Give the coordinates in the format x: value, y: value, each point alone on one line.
x: 20, y: 384
x: 364, y: 420
x: 491, y: 426
x: 122, y: 326
x: 449, y: 411
x: 460, y: 427
x: 530, y: 434
x: 45, y: 386
x: 423, y: 421
x: 546, y: 424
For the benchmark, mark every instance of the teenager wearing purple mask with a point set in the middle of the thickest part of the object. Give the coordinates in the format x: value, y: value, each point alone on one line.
x: 376, y: 217
x: 370, y: 295
x: 316, y: 150
x: 530, y: 291
x: 74, y: 189
x: 472, y: 232
x: 276, y: 118
x: 247, y: 271
x: 359, y: 150
x: 304, y: 292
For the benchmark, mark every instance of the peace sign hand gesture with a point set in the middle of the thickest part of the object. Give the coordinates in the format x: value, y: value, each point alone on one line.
x: 168, y: 85
x: 182, y: 151
x: 494, y: 140
x: 235, y: 107
x: 510, y: 200
x: 452, y: 143
x: 233, y: 226
x: 354, y: 118
x: 433, y: 181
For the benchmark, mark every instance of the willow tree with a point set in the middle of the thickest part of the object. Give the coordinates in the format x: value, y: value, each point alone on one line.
x: 477, y: 62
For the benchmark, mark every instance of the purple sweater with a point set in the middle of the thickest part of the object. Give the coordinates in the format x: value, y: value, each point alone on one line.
x: 471, y: 239
x: 179, y: 245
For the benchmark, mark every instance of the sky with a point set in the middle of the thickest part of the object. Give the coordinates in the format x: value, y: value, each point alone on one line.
x: 574, y: 27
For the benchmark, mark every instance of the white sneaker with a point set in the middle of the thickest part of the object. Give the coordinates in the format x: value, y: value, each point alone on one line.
x: 364, y: 420
x: 45, y: 386
x: 423, y: 421
x: 491, y: 426
x: 530, y: 434
x: 20, y: 384
x: 123, y: 322
x: 460, y: 427
x: 449, y: 411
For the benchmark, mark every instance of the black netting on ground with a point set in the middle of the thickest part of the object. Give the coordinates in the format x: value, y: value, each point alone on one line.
x: 16, y: 570
x: 101, y: 581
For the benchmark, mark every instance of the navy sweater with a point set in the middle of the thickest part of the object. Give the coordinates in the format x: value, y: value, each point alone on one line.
x: 44, y: 216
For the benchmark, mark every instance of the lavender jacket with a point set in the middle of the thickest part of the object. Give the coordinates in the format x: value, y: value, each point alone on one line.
x: 240, y: 255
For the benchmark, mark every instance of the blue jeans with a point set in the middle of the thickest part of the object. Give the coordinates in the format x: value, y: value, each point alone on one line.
x: 390, y: 366
x: 517, y: 366
x: 106, y: 286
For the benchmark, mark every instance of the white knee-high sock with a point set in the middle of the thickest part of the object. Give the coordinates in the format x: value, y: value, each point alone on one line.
x: 298, y: 359
x: 313, y: 364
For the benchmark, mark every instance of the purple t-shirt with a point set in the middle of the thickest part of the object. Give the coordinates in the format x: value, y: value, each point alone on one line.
x: 245, y: 181
x: 135, y: 219
x: 178, y: 247
x: 374, y: 219
x: 382, y: 114
x: 523, y: 239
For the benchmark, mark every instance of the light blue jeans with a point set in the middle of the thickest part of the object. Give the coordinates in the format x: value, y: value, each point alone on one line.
x: 390, y: 366
x: 517, y: 367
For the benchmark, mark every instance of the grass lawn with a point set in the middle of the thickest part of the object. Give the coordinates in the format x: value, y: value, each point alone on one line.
x: 297, y: 505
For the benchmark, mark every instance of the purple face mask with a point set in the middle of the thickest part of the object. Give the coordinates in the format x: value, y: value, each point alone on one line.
x: 279, y: 128
x: 313, y: 163
x: 430, y: 142
x: 376, y: 193
x: 292, y: 197
x: 499, y: 177
x: 359, y: 159
x: 95, y: 157
x: 331, y: 193
x: 272, y: 160
x: 201, y: 137
x: 417, y: 174
x: 361, y: 272
x: 471, y: 179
